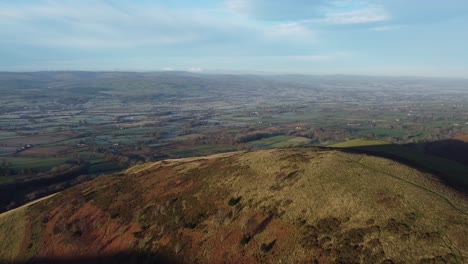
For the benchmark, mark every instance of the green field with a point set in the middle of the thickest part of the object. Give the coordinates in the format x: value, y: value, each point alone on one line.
x: 380, y: 132
x: 280, y: 141
x: 360, y: 143
x: 18, y: 163
x: 7, y: 134
x: 7, y: 150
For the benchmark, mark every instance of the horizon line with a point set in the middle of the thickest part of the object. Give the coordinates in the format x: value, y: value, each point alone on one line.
x: 240, y: 73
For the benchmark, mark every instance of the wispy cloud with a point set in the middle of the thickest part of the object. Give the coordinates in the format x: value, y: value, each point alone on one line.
x: 410, y: 12
x: 102, y: 26
x: 297, y: 35
x: 91, y: 26
x: 337, y: 12
x: 364, y: 16
x: 290, y: 31
x: 195, y: 69
x: 278, y: 10
x: 385, y: 28
x: 328, y: 57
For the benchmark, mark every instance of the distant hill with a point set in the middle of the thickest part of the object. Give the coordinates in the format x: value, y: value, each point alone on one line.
x: 295, y: 205
x: 154, y: 84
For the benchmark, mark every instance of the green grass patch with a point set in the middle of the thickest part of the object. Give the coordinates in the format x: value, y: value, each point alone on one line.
x: 7, y: 134
x: 280, y: 141
x: 380, y: 132
x: 359, y: 143
x: 35, y: 163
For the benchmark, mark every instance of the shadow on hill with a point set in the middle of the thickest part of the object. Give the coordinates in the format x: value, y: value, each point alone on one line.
x: 445, y: 159
x: 451, y: 149
x: 120, y: 258
x: 20, y: 192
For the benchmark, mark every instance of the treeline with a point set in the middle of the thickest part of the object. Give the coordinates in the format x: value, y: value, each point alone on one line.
x: 254, y: 136
x: 242, y: 137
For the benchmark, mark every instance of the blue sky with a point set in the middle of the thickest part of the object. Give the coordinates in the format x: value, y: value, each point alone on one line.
x: 380, y: 37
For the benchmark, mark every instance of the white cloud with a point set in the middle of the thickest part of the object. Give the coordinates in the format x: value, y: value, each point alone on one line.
x: 195, y: 69
x: 240, y: 6
x: 289, y: 31
x: 358, y: 17
x: 336, y: 12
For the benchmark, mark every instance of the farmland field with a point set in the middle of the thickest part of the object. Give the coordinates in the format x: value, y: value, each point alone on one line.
x: 280, y: 141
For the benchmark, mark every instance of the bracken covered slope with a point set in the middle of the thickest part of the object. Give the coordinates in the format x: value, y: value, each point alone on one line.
x: 295, y: 205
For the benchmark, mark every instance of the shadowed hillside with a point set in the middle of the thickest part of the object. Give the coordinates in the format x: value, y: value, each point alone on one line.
x: 291, y: 205
x: 452, y: 149
x: 444, y: 159
x: 128, y: 257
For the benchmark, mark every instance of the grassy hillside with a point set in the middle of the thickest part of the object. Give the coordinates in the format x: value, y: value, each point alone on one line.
x: 12, y: 226
x: 285, y: 205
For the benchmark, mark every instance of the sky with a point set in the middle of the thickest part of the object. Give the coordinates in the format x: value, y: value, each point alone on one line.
x: 363, y: 37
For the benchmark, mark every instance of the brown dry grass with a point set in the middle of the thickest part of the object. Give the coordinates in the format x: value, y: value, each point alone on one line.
x: 463, y: 138
x: 358, y: 188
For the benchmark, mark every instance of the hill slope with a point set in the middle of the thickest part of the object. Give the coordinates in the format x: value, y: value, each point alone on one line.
x: 290, y: 205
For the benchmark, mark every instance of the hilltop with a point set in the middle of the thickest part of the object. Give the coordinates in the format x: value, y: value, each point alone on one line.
x: 291, y: 205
